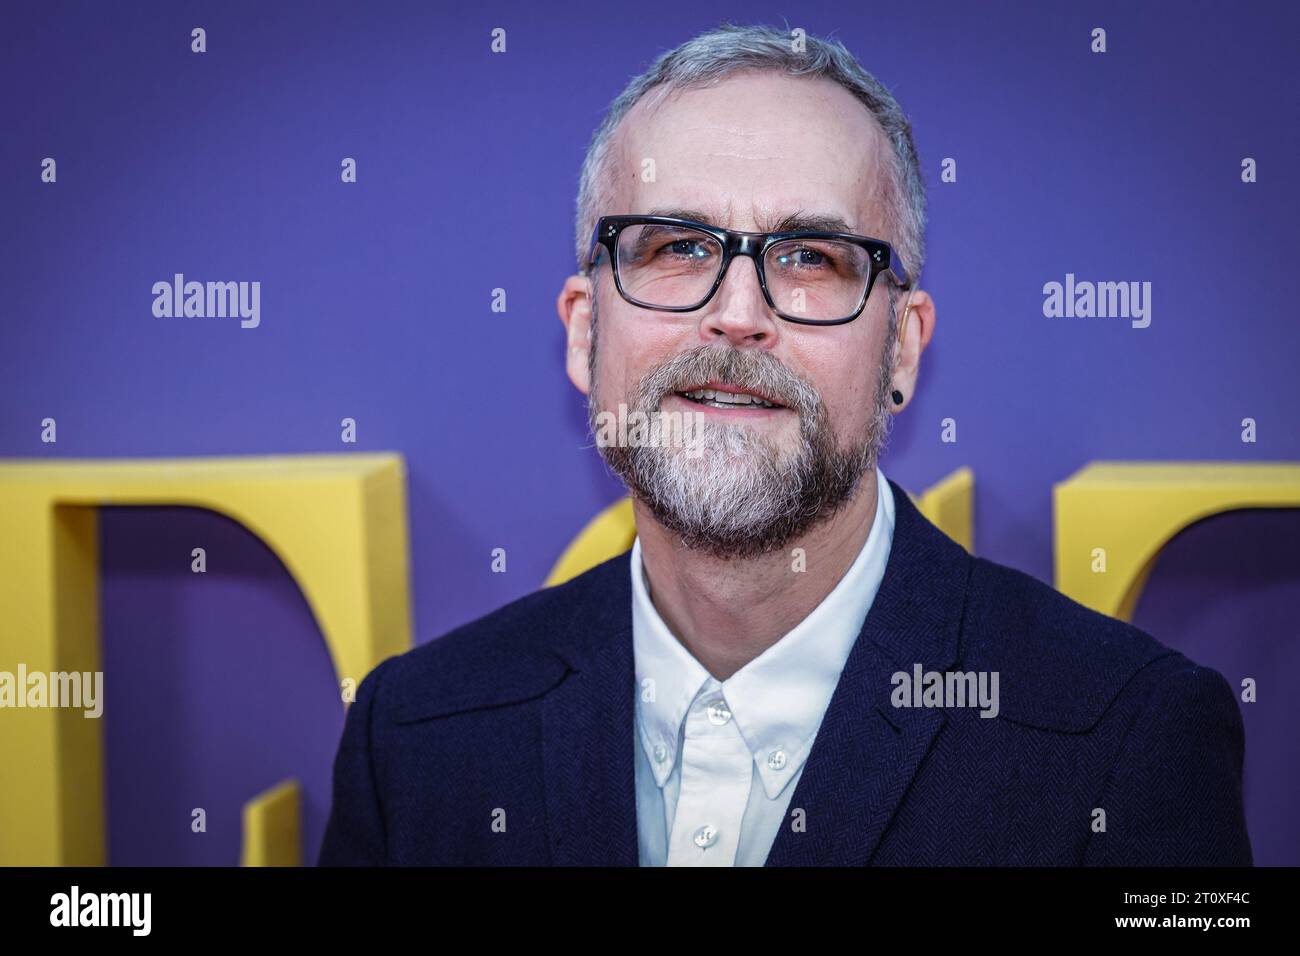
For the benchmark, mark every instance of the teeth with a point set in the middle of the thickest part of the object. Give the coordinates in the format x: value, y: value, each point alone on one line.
x: 727, y: 398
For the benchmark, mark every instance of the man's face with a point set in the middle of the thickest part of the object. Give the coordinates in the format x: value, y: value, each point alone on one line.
x: 746, y: 154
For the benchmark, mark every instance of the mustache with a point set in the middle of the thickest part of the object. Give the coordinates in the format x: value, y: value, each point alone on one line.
x: 749, y: 369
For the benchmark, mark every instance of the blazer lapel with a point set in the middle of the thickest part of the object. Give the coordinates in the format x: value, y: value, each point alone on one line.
x: 587, y: 721
x: 864, y: 756
x: 866, y: 751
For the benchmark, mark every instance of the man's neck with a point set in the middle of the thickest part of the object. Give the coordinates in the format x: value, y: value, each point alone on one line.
x: 727, y: 611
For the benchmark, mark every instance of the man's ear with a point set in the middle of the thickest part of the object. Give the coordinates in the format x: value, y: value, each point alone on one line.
x: 574, y: 306
x: 915, y: 329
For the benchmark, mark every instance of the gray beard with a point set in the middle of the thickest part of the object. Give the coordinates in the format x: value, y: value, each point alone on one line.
x: 741, y: 497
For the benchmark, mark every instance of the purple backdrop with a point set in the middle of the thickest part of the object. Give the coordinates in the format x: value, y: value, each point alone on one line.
x: 225, y: 166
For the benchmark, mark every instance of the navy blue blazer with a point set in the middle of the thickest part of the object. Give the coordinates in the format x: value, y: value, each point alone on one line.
x: 509, y: 741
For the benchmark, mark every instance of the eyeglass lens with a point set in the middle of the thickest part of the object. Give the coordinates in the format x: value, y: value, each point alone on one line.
x: 675, y: 267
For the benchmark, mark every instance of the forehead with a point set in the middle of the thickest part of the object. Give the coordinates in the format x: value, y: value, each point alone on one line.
x: 752, y: 151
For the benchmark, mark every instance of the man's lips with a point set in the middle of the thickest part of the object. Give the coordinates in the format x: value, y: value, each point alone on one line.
x: 722, y: 395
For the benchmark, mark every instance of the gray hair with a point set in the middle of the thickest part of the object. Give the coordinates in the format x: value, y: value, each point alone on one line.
x: 719, y: 53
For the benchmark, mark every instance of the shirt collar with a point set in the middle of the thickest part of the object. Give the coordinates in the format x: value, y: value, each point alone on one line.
x: 779, y: 698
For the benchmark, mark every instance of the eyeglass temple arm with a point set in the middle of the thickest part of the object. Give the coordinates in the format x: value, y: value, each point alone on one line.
x: 896, y: 270
x: 593, y: 250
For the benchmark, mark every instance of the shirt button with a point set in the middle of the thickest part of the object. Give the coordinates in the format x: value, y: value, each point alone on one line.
x: 706, y: 836
x: 661, y: 753
x: 776, y: 759
x: 719, y: 712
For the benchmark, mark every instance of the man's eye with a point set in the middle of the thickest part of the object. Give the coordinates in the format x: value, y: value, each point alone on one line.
x: 687, y: 249
x: 804, y: 257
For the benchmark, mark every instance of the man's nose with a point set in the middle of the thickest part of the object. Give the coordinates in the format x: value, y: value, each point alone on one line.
x: 738, y: 310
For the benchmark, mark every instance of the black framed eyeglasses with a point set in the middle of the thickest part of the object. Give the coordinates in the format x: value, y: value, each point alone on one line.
x: 677, y: 265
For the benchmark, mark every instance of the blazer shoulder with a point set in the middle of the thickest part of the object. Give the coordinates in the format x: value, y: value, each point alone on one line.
x: 1060, y: 664
x: 515, y: 653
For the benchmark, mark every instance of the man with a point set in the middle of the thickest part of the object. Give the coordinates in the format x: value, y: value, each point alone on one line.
x: 751, y: 684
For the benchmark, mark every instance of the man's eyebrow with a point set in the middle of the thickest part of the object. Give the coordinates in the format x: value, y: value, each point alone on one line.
x: 812, y: 222
x: 677, y: 212
x: 795, y: 222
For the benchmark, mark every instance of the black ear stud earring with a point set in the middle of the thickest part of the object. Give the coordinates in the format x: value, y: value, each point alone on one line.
x: 898, y: 397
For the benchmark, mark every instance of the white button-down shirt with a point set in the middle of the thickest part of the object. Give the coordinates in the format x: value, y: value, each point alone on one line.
x: 717, y: 762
